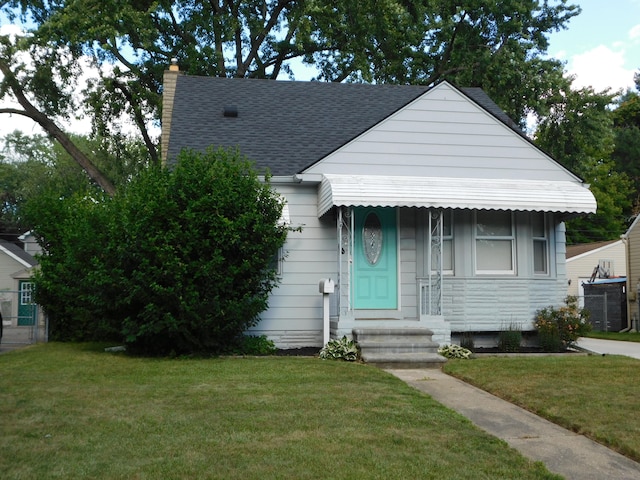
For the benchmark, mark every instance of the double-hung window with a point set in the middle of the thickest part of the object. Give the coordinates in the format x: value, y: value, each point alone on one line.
x: 447, y: 241
x: 495, y: 242
x: 540, y: 244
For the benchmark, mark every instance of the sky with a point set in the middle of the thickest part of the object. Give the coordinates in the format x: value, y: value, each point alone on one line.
x: 601, y: 47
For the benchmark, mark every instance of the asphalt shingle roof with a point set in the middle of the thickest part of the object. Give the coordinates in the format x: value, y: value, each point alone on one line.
x: 18, y: 252
x: 579, y: 249
x: 285, y: 126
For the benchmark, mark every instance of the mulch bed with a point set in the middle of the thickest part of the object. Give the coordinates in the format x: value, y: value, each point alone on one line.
x: 298, y: 352
x: 314, y: 351
x: 481, y: 350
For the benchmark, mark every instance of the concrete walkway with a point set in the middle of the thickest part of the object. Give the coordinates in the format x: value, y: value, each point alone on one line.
x: 563, y: 452
x: 610, y: 347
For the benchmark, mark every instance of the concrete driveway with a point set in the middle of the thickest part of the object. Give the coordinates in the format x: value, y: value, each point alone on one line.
x: 610, y: 347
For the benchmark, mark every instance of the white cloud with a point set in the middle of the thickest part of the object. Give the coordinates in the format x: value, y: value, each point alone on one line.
x: 634, y: 33
x: 601, y: 68
x: 561, y: 55
x: 9, y: 29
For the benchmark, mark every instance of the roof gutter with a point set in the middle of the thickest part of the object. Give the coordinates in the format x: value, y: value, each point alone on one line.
x: 308, y: 177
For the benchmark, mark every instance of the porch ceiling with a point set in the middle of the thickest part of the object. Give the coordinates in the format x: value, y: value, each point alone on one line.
x: 442, y: 192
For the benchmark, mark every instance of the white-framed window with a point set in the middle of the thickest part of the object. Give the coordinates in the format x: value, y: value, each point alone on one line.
x: 26, y: 293
x: 540, y: 243
x: 447, y: 243
x: 495, y: 242
x: 277, y: 260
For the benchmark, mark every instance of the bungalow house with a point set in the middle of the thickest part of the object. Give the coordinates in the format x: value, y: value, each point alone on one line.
x: 426, y: 207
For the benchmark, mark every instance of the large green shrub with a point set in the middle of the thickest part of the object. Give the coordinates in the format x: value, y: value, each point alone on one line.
x: 559, y: 327
x: 178, y: 261
x: 74, y: 281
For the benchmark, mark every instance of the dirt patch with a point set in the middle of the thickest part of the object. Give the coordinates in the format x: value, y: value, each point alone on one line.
x: 298, y: 352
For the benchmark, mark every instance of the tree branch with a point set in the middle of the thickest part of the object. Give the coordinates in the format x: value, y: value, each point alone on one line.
x: 217, y: 32
x: 446, y: 56
x: 282, y: 55
x: 14, y: 111
x: 52, y: 129
x: 116, y: 53
x: 139, y: 119
x: 237, y: 34
x: 257, y: 42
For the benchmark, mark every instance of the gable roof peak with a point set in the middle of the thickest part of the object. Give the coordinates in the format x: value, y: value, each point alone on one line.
x: 287, y: 126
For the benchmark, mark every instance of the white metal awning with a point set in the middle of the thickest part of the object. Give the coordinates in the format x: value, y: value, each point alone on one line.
x: 466, y: 193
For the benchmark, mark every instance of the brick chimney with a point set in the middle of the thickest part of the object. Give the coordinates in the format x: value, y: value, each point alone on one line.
x: 169, y: 81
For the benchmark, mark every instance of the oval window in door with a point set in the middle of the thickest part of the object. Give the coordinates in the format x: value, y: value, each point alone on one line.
x: 372, y: 238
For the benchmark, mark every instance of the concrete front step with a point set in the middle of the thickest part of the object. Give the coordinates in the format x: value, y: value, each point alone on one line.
x: 404, y: 360
x: 392, y: 333
x: 398, y: 347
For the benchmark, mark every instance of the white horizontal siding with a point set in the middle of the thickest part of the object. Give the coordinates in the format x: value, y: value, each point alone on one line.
x: 408, y: 300
x: 294, y: 316
x: 418, y: 165
x: 452, y: 143
x: 476, y: 126
x: 9, y: 266
x: 491, y: 304
x: 443, y: 133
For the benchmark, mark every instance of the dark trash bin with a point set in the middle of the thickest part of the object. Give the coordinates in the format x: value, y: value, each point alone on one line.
x: 606, y: 301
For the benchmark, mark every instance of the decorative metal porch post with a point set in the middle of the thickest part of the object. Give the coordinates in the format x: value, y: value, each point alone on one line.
x: 434, y: 300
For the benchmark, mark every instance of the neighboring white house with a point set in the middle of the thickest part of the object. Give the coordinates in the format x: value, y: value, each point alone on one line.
x: 427, y: 207
x: 594, y: 260
x: 16, y: 293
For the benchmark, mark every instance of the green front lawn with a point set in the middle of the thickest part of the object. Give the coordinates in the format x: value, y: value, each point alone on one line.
x: 71, y: 411
x: 594, y: 395
x: 625, y: 337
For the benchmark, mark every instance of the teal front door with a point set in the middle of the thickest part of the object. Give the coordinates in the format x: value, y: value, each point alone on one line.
x: 375, y: 259
x: 27, y: 310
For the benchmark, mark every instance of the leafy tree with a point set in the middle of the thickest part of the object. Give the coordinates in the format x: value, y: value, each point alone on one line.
x: 178, y: 261
x: 626, y: 120
x: 9, y: 223
x: 75, y: 281
x: 578, y: 132
x: 497, y: 45
x: 33, y: 164
x: 24, y: 165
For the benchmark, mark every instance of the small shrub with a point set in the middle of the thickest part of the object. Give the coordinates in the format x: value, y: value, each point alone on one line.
x: 466, y: 341
x: 509, y: 340
x: 343, y: 349
x: 559, y: 328
x: 455, y: 351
